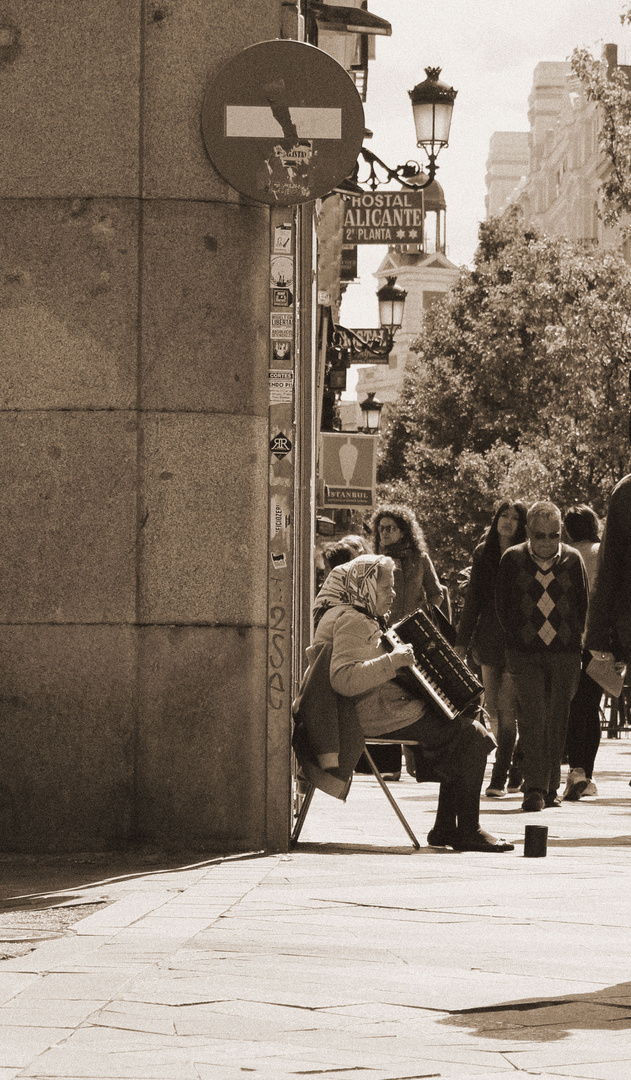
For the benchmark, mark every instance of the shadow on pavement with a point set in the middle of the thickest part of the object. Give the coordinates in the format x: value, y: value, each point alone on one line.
x: 549, y: 1019
x: 32, y: 882
x: 312, y: 847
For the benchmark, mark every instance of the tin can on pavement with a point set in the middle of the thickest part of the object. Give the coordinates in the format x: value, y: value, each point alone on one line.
x: 535, y: 841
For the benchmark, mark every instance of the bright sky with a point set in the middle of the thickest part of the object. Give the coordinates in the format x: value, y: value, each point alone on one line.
x: 487, y: 50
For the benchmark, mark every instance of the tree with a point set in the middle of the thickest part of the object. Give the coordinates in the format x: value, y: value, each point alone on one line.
x: 519, y: 388
x: 610, y: 89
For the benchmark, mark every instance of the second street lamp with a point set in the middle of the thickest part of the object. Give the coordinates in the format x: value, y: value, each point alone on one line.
x: 391, y: 304
x: 374, y: 345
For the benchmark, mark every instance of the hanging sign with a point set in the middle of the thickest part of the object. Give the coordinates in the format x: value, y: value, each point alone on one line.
x: 383, y: 217
x: 348, y: 466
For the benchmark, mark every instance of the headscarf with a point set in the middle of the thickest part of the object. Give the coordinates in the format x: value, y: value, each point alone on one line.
x: 353, y: 583
x: 361, y: 582
x: 332, y: 593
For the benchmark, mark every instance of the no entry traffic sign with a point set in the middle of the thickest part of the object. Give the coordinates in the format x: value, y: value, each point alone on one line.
x: 283, y: 122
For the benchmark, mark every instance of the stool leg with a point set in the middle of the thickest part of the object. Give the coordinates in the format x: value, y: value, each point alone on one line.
x: 300, y: 820
x: 391, y: 800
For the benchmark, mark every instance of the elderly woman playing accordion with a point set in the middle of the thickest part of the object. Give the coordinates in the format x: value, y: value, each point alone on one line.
x: 349, y: 614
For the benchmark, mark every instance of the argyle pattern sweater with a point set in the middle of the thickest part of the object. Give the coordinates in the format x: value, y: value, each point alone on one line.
x: 542, y: 611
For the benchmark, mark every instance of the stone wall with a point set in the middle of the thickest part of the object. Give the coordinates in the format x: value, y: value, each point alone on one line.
x: 133, y: 434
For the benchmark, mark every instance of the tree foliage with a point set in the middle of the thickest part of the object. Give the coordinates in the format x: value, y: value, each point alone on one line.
x: 519, y: 388
x: 611, y: 90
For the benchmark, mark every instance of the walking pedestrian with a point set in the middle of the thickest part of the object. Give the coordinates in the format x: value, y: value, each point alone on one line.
x: 583, y: 733
x: 609, y: 616
x: 481, y: 634
x: 541, y: 601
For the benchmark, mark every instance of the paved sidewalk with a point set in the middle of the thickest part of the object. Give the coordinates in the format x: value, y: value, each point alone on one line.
x: 353, y: 955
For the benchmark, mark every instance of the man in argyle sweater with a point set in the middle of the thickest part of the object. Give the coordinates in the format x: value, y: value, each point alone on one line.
x: 541, y: 601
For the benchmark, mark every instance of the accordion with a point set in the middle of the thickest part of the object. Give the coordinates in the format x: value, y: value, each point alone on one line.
x: 439, y: 676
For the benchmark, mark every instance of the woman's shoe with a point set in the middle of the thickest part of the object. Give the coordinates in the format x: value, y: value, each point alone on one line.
x: 438, y: 838
x: 494, y: 793
x: 483, y: 841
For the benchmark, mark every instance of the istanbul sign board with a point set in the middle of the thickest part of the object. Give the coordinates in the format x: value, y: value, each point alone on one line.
x: 384, y: 217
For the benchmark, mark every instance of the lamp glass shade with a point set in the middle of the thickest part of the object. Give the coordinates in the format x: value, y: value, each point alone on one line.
x: 432, y: 105
x: 432, y: 123
x: 391, y: 304
x: 337, y: 378
x: 371, y: 412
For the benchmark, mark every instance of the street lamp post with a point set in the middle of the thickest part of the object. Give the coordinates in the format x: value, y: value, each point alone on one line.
x: 391, y: 305
x: 371, y: 413
x: 432, y: 107
x: 374, y: 345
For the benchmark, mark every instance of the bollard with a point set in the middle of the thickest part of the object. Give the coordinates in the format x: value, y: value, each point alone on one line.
x: 535, y: 841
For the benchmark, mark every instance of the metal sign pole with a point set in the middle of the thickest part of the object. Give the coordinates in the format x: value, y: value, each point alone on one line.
x: 283, y: 338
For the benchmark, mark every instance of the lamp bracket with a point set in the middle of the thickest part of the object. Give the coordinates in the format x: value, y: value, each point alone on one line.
x: 401, y: 173
x: 377, y: 342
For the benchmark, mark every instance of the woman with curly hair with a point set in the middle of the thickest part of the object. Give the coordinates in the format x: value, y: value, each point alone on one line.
x: 480, y: 633
x: 397, y: 534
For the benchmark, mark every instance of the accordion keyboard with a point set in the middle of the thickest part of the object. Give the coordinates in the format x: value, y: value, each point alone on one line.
x: 439, y: 674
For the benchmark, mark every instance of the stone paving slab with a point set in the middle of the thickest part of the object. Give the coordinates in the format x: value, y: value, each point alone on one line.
x: 352, y: 955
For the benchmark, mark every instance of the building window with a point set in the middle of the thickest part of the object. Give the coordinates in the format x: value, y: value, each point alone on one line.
x: 431, y: 298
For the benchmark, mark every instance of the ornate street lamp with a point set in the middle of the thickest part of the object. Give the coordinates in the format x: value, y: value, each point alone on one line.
x: 371, y: 408
x: 391, y: 304
x: 432, y: 106
x: 374, y: 345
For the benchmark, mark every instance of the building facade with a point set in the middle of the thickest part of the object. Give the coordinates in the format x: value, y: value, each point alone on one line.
x: 565, y: 166
x: 138, y: 656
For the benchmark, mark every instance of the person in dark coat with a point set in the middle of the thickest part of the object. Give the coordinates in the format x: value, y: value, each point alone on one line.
x: 397, y: 534
x: 583, y: 734
x: 608, y: 633
x: 481, y: 635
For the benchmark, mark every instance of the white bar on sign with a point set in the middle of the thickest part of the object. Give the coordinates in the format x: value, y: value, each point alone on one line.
x: 258, y: 122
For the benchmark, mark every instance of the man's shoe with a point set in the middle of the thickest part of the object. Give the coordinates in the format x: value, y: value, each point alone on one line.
x: 533, y: 800
x: 515, y: 782
x: 495, y: 793
x: 391, y: 776
x: 552, y: 799
x: 591, y: 788
x: 576, y: 784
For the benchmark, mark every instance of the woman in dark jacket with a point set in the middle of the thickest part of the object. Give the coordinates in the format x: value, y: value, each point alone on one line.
x: 480, y: 633
x: 397, y: 534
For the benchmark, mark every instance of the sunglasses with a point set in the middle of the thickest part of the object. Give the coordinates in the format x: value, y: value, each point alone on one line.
x: 546, y: 536
x: 388, y: 528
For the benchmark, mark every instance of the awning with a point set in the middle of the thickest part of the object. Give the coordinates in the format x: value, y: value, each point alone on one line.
x: 350, y: 20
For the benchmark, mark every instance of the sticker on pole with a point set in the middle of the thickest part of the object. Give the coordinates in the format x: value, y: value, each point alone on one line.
x: 283, y: 123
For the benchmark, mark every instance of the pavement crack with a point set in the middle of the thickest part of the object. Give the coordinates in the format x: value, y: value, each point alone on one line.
x: 322, y: 1072
x: 521, y: 1006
